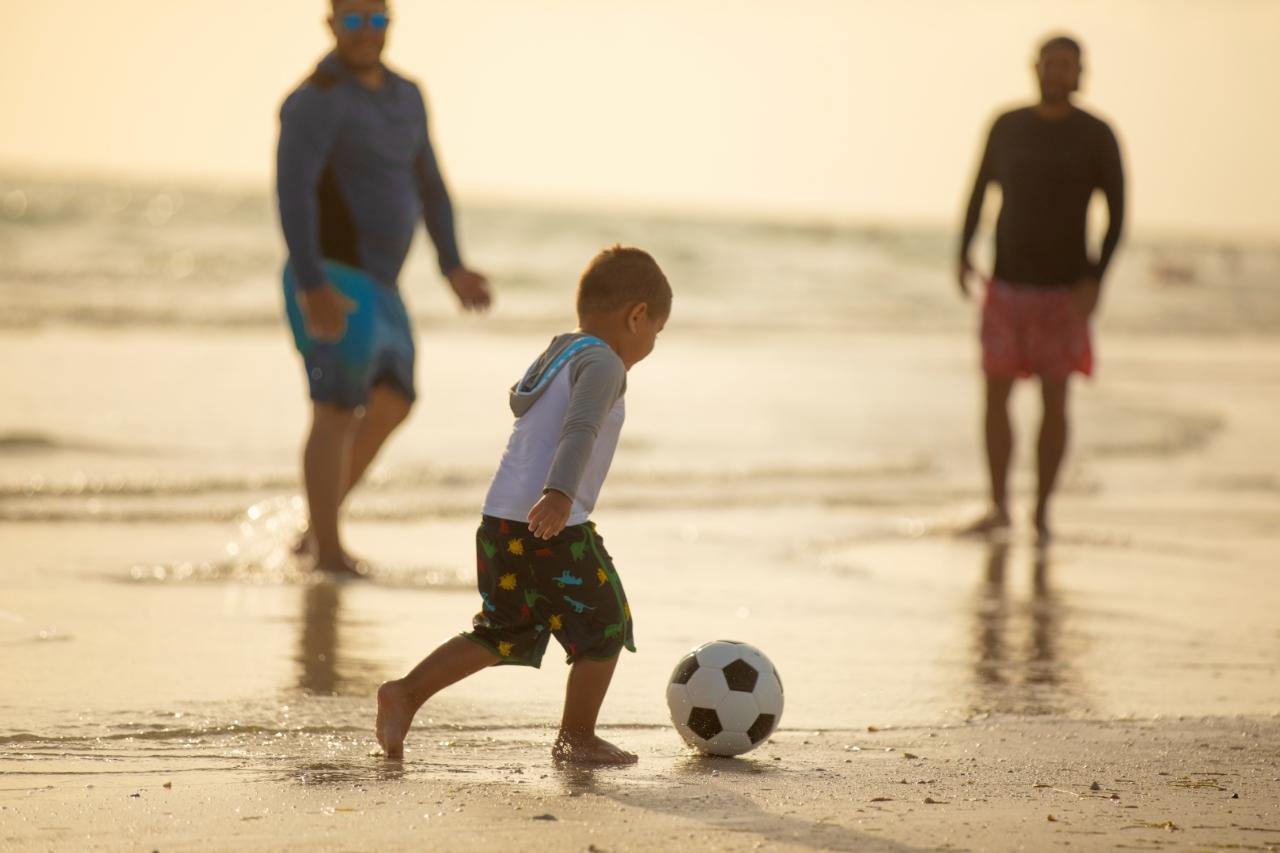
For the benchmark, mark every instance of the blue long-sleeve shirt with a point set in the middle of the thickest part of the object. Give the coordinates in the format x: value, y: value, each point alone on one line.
x: 354, y: 172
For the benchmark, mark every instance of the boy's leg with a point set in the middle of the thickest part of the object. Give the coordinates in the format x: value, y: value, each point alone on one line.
x: 1052, y: 447
x: 577, y: 741
x: 324, y: 467
x: 399, y: 700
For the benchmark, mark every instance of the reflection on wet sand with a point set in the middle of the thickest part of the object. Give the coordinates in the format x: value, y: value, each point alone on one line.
x: 1023, y: 661
x: 326, y: 666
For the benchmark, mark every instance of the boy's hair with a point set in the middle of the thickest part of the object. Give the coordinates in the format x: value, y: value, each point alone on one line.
x: 620, y: 276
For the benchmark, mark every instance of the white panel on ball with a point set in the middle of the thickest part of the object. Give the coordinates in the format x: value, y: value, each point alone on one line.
x: 768, y: 694
x: 737, y: 711
x: 678, y: 702
x: 718, y: 654
x: 707, y: 687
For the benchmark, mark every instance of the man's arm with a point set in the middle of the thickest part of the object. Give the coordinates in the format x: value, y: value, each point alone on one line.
x: 1111, y: 182
x: 308, y: 126
x: 471, y: 288
x: 986, y: 174
x: 597, y: 379
x: 437, y: 207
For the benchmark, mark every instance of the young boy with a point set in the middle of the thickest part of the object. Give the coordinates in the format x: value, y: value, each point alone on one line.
x: 542, y: 568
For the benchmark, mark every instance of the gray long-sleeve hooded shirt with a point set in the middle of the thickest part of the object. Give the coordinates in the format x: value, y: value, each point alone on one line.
x: 569, y: 410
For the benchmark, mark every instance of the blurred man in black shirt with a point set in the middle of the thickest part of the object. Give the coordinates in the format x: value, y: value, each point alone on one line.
x: 1048, y: 160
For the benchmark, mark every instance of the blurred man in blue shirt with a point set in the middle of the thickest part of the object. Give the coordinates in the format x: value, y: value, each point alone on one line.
x: 355, y: 174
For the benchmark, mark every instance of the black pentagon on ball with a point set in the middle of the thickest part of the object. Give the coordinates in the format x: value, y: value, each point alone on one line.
x: 741, y: 676
x: 705, y: 723
x: 685, y: 670
x: 762, y: 727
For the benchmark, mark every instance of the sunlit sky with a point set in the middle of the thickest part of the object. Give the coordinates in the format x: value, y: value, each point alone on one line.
x: 848, y: 109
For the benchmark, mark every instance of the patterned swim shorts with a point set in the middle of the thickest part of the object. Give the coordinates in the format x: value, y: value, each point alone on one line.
x: 1034, y: 331
x: 532, y: 589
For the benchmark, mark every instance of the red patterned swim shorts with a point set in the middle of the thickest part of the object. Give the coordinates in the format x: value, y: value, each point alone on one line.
x: 1034, y: 331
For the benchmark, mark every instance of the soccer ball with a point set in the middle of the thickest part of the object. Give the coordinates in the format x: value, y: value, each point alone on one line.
x: 725, y: 698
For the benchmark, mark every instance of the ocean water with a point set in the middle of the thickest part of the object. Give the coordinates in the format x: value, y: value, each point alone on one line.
x: 798, y: 452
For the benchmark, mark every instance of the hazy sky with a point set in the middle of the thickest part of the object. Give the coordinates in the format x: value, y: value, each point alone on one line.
x: 846, y: 108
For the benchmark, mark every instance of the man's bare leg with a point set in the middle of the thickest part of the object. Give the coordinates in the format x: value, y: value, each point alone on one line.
x: 577, y: 741
x: 386, y: 410
x: 324, y: 468
x: 998, y: 434
x: 1052, y: 447
x: 400, y: 699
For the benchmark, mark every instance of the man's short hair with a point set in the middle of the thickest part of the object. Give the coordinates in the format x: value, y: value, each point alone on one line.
x: 620, y: 276
x: 1063, y: 41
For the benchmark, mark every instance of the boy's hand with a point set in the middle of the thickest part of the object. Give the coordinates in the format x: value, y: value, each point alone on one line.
x: 549, y: 514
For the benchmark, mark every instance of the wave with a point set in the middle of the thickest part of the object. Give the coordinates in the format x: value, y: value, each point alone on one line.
x: 1167, y: 433
x: 430, y: 493
x: 420, y: 477
x: 112, y: 256
x: 181, y: 733
x: 31, y: 443
x: 215, y: 731
x: 286, y: 570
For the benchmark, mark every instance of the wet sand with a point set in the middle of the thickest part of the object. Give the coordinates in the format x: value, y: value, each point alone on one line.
x: 152, y: 631
x: 989, y: 784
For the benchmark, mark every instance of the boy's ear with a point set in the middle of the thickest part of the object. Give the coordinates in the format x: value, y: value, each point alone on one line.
x: 637, y: 313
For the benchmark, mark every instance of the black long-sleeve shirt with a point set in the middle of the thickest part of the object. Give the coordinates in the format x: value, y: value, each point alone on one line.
x: 1047, y: 170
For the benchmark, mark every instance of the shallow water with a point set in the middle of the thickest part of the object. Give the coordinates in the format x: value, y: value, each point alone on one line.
x: 798, y: 452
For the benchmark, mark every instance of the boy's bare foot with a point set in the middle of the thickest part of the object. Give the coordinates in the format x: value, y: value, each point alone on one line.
x: 995, y: 521
x: 395, y: 714
x: 589, y: 749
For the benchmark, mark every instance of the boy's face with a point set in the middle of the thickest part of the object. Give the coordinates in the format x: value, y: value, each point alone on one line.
x: 643, y: 329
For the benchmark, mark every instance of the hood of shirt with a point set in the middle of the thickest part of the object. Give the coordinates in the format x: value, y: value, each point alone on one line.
x: 545, y: 367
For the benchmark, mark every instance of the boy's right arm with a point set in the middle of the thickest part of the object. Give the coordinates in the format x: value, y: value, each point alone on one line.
x: 550, y: 514
x: 597, y: 379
